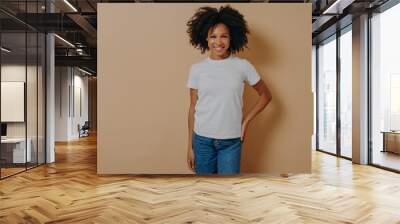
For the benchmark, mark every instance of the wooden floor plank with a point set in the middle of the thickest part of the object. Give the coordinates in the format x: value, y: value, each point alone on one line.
x: 70, y: 191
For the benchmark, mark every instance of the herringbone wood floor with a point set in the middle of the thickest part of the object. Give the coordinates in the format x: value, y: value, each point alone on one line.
x: 69, y: 191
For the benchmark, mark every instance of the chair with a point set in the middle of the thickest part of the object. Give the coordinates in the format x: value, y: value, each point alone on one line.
x: 84, y: 130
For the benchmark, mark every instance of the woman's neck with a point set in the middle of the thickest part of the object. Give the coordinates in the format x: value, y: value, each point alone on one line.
x: 216, y: 57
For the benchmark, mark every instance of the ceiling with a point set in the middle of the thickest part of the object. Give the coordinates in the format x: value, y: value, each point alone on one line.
x: 76, y: 22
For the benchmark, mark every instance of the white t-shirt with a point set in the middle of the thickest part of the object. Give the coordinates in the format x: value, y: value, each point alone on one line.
x: 220, y: 84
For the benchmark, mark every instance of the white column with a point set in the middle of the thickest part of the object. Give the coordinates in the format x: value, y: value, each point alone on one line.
x: 360, y: 90
x: 50, y: 100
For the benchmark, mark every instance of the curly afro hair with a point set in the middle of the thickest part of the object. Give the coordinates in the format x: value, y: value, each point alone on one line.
x: 207, y: 18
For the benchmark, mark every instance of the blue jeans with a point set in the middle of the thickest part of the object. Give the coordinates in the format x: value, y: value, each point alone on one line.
x: 220, y: 156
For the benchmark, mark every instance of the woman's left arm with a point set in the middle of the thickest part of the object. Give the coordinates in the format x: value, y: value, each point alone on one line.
x: 263, y: 101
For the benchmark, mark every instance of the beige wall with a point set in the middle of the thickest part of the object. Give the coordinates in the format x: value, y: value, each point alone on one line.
x: 143, y: 60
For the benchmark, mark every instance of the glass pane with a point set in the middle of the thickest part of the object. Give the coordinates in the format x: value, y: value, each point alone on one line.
x: 346, y: 94
x: 314, y: 91
x: 386, y: 89
x: 13, y: 86
x: 327, y: 96
x: 31, y: 101
x: 41, y: 98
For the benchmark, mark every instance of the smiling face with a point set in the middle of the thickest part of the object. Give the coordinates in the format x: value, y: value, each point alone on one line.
x: 218, y: 39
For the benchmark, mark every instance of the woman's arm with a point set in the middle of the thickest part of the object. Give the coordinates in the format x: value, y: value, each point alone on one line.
x: 190, y: 154
x: 263, y: 101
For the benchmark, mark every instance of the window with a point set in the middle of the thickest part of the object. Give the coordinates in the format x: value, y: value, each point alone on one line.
x: 385, y: 88
x: 333, y: 137
x: 346, y: 93
x: 327, y: 96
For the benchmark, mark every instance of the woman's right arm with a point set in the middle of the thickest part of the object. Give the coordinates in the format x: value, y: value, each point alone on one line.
x: 190, y: 153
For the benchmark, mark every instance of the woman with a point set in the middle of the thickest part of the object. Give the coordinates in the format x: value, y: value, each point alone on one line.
x: 217, y: 127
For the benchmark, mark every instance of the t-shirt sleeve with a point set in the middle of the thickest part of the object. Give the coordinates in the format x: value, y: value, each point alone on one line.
x: 252, y: 76
x: 192, y: 79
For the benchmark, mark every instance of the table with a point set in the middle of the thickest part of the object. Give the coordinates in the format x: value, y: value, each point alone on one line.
x: 13, y: 150
x: 391, y: 141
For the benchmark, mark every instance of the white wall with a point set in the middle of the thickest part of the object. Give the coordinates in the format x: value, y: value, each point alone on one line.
x: 16, y: 73
x: 80, y: 89
x: 62, y: 81
x: 69, y: 84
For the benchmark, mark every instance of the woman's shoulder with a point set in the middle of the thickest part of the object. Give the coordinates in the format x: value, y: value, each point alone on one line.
x: 199, y: 63
x: 197, y: 67
x: 240, y: 60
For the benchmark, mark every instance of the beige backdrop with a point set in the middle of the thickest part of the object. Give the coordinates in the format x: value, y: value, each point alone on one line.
x: 144, y: 58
